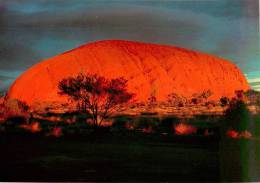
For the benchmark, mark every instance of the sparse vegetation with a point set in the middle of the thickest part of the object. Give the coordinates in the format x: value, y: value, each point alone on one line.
x: 184, y: 129
x: 145, y: 129
x: 14, y: 110
x: 152, y: 101
x: 253, y: 97
x: 201, y: 98
x: 96, y: 95
x: 237, y: 114
x: 177, y: 100
x: 224, y: 101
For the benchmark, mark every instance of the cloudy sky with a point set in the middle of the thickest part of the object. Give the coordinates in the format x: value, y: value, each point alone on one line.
x: 33, y: 30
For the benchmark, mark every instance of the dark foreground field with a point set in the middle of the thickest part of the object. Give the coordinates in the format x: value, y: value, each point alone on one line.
x: 123, y: 155
x: 113, y: 158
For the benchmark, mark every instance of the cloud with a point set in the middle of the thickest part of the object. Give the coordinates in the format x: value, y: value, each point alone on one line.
x: 254, y: 80
x: 34, y: 30
x: 16, y: 56
x: 109, y: 18
x: 43, y: 34
x: 7, y: 77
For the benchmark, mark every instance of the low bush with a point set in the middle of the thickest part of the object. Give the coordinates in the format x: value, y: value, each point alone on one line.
x: 120, y: 122
x: 168, y: 122
x: 237, y: 115
x: 184, y: 129
x: 144, y: 123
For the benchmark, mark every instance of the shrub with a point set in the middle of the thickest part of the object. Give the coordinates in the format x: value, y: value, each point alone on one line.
x: 224, y: 101
x: 195, y: 101
x: 55, y: 132
x: 236, y: 135
x: 146, y: 125
x: 237, y: 115
x: 12, y: 108
x: 168, y: 122
x: 210, y: 104
x: 120, y: 123
x: 253, y: 97
x: 245, y: 134
x: 184, y: 129
x: 96, y: 95
x: 15, y: 120
x: 177, y: 100
x: 233, y: 134
x: 200, y: 98
x: 34, y: 127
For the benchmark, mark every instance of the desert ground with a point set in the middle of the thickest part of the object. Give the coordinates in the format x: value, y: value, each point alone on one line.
x: 150, y: 146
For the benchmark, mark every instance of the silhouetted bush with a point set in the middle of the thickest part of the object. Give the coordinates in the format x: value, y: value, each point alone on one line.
x: 12, y: 124
x: 120, y: 123
x: 15, y: 120
x: 253, y: 97
x: 13, y: 108
x: 96, y: 94
x: 210, y: 104
x: 200, y: 98
x: 195, y: 101
x: 184, y: 129
x: 177, y: 100
x: 152, y: 100
x: 237, y: 115
x: 148, y: 113
x: 224, y: 101
x: 144, y: 123
x: 167, y: 124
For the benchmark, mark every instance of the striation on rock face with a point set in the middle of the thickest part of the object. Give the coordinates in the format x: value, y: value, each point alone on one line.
x: 149, y: 68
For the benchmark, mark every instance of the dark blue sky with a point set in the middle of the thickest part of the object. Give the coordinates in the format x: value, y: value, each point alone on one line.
x: 33, y: 30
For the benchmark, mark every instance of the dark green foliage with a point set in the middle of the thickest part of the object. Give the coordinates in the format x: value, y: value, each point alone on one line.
x: 149, y: 113
x: 169, y: 121
x: 204, y: 120
x: 15, y: 120
x: 257, y: 126
x: 108, y: 158
x: 133, y: 123
x: 234, y: 153
x: 142, y: 123
x: 120, y: 122
x: 145, y: 122
x: 237, y: 115
x: 202, y: 117
x: 253, y: 97
x: 167, y: 124
x: 11, y: 125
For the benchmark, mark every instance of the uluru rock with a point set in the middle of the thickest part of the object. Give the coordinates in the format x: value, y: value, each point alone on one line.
x: 149, y: 68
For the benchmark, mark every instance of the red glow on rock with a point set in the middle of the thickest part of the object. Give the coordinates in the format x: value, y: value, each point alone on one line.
x: 147, y: 67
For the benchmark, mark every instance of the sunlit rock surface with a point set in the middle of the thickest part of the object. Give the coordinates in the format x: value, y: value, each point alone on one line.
x: 149, y: 68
